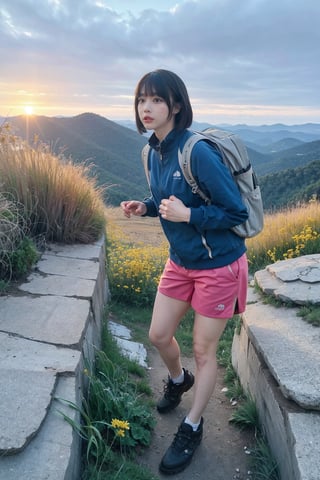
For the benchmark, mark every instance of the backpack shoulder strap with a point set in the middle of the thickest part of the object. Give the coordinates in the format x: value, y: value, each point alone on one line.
x: 185, y: 164
x: 144, y: 157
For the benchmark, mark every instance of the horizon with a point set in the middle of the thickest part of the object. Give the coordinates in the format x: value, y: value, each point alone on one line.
x: 30, y: 114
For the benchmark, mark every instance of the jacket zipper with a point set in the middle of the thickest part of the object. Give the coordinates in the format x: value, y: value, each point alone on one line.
x: 204, y: 243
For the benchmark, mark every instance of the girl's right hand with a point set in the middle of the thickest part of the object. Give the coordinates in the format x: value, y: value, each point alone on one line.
x: 133, y: 207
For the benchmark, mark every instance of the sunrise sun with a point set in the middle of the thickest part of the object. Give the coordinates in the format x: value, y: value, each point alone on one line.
x: 28, y: 109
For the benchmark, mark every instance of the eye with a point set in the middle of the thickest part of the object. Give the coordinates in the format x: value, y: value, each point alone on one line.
x: 141, y: 99
x: 158, y: 100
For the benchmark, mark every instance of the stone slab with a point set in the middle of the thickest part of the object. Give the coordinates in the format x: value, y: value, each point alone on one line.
x: 290, y: 348
x: 25, y: 398
x: 28, y: 372
x: 58, y: 285
x: 305, y: 268
x: 54, y: 453
x: 77, y: 251
x: 295, y: 280
x: 133, y: 350
x: 297, y: 292
x: 118, y: 330
x: 68, y: 267
x: 52, y: 319
x: 27, y: 355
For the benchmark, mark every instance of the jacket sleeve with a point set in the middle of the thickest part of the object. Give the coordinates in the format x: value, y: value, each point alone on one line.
x: 226, y: 209
x: 151, y: 208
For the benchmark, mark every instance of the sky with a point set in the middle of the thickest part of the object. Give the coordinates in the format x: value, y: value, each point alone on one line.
x: 243, y: 61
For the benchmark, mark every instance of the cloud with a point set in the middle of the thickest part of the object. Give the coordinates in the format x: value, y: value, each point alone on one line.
x: 228, y: 52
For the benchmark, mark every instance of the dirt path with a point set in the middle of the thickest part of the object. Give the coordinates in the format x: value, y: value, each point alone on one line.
x: 221, y: 455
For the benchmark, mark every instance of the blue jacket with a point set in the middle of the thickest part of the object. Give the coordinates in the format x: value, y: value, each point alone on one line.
x: 206, y: 241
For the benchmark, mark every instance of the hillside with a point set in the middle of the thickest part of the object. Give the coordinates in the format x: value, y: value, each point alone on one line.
x: 114, y: 150
x: 286, y: 159
x: 288, y: 187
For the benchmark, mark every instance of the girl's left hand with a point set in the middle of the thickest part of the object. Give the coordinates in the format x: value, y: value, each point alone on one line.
x: 174, y: 210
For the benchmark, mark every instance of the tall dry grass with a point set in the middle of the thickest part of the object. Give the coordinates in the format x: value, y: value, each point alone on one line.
x: 60, y: 199
x: 288, y: 233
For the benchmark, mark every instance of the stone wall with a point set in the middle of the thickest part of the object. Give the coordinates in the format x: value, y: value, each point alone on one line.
x: 48, y: 329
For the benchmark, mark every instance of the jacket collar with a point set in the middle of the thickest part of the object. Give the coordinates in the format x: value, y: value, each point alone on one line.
x: 170, y: 142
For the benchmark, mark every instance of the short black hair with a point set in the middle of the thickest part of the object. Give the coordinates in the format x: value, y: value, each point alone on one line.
x: 172, y: 89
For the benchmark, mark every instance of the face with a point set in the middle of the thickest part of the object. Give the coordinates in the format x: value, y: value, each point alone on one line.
x: 154, y: 114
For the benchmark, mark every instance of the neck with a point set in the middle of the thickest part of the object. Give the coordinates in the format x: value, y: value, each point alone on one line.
x: 162, y: 133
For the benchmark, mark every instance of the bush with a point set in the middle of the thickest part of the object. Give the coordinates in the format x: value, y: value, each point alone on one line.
x: 17, y: 253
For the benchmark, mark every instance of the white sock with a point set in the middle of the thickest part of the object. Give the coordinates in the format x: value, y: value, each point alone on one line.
x: 193, y: 425
x: 179, y: 379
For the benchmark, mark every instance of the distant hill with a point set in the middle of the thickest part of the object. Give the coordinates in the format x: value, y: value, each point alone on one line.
x: 267, y: 134
x: 285, y: 159
x: 288, y: 187
x: 114, y: 150
x: 283, y: 144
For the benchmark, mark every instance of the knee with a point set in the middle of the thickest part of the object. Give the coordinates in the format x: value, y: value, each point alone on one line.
x: 203, y: 354
x: 157, y: 339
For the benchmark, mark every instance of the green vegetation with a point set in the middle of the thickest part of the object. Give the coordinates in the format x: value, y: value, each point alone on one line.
x: 311, y: 314
x: 288, y: 187
x: 116, y: 421
x: 42, y: 198
x: 264, y: 466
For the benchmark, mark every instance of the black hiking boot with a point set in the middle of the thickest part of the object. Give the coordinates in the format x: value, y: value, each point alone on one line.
x: 173, y: 392
x: 180, y: 453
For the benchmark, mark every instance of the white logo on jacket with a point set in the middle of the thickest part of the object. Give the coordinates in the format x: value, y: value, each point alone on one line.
x: 177, y: 174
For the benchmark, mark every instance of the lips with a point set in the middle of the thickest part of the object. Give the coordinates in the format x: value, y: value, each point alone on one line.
x: 147, y: 119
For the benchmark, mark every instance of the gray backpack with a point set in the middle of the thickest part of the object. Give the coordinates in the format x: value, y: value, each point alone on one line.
x: 235, y: 157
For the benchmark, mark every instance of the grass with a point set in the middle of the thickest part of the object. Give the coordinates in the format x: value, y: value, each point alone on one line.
x: 59, y: 200
x: 117, y: 418
x: 287, y: 234
x: 263, y: 464
x: 311, y: 314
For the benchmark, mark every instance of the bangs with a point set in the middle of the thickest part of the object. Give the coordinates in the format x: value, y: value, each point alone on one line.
x: 168, y: 86
x: 154, y: 85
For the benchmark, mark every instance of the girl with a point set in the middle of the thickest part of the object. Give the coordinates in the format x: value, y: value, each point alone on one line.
x: 207, y: 266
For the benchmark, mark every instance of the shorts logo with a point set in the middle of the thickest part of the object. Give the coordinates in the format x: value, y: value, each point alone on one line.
x: 177, y: 174
x: 220, y: 307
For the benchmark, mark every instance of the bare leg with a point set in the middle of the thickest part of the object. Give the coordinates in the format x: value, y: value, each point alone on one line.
x: 167, y: 314
x: 207, y: 332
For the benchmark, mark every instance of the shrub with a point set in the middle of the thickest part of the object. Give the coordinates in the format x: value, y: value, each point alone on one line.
x: 17, y: 253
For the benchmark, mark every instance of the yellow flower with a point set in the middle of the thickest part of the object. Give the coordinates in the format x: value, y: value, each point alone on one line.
x: 120, y: 424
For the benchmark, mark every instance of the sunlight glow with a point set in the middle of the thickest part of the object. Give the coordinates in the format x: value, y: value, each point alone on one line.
x: 28, y: 109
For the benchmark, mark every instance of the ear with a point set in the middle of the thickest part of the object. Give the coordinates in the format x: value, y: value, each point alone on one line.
x: 176, y: 109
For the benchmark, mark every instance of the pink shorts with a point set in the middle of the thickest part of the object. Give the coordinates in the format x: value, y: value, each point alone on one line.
x: 214, y: 293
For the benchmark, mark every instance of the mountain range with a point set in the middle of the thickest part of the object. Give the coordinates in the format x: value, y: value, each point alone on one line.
x: 278, y: 153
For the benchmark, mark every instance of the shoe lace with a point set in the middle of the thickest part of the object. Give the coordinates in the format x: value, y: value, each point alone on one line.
x: 169, y: 387
x: 181, y: 439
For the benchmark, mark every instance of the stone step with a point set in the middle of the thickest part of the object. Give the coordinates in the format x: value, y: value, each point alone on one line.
x: 48, y: 330
x: 277, y: 358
